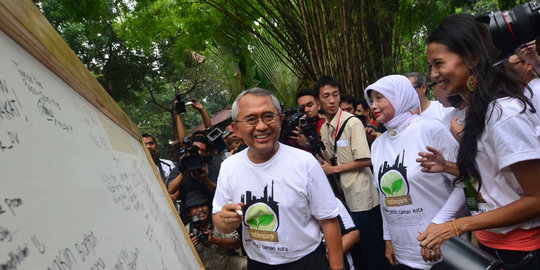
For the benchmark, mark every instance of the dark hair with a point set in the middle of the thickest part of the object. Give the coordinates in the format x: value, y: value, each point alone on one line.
x: 364, y: 104
x: 199, y: 136
x: 350, y: 99
x: 325, y: 80
x: 470, y: 39
x: 305, y: 92
x: 145, y: 135
x: 363, y: 119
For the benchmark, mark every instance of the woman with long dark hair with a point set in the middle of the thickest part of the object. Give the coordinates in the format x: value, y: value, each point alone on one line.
x: 499, y: 155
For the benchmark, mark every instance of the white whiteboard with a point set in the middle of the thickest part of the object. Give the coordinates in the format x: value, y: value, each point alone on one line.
x: 77, y: 191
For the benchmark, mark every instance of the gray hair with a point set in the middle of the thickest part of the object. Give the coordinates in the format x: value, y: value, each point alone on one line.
x: 419, y: 79
x: 255, y: 91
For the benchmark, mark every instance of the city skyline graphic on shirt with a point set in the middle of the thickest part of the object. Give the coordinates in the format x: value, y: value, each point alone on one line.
x: 261, y: 213
x: 392, y: 179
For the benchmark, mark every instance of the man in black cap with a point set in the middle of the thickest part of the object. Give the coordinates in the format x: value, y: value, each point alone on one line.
x: 216, y: 249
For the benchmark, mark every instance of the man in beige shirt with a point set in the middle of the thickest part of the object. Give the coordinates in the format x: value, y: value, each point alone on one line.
x: 353, y: 160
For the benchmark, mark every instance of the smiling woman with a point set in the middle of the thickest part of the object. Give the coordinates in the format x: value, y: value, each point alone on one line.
x: 449, y: 69
x: 499, y: 155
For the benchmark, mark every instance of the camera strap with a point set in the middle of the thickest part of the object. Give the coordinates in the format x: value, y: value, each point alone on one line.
x: 334, y: 178
x: 160, y: 169
x: 341, y: 129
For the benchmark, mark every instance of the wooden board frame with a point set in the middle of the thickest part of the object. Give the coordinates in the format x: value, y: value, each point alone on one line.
x: 25, y: 24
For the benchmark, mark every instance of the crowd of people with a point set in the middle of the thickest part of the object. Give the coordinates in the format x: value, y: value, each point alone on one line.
x: 378, y: 181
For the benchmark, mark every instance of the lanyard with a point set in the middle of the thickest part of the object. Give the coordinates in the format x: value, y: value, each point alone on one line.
x: 337, y: 128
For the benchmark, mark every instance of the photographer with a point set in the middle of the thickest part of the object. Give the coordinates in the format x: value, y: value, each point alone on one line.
x: 297, y: 137
x: 186, y: 179
x: 215, y: 249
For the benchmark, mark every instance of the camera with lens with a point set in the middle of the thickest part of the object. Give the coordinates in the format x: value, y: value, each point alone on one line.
x: 291, y: 120
x: 202, y: 237
x: 297, y: 117
x: 217, y: 137
x: 180, y: 106
x: 192, y: 160
x: 512, y: 28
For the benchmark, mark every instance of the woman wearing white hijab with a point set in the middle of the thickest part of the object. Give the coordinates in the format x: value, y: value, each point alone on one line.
x: 411, y: 199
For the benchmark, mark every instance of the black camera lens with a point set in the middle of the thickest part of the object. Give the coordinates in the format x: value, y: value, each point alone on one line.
x: 512, y: 28
x: 202, y: 237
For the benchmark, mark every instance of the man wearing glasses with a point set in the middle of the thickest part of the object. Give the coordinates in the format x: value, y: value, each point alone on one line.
x: 431, y: 108
x: 277, y: 193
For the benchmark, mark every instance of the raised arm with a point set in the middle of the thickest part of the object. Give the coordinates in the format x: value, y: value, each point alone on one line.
x: 205, y: 117
x: 180, y: 128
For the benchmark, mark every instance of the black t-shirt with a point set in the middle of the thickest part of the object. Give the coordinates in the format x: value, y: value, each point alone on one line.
x: 190, y: 184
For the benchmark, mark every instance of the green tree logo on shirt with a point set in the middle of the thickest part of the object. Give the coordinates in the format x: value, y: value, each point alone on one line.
x: 261, y: 217
x: 261, y: 212
x: 393, y: 178
x: 393, y: 184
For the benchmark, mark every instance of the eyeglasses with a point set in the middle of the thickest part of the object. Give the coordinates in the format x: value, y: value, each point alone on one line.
x: 267, y: 118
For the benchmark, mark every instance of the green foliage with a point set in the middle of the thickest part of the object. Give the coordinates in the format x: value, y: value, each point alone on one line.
x: 282, y: 79
x: 88, y: 28
x: 509, y: 4
x: 141, y: 50
x: 188, y: 25
x: 236, y: 69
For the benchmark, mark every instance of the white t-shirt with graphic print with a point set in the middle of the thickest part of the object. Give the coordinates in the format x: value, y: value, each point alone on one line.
x: 284, y: 198
x: 509, y: 137
x: 411, y: 199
